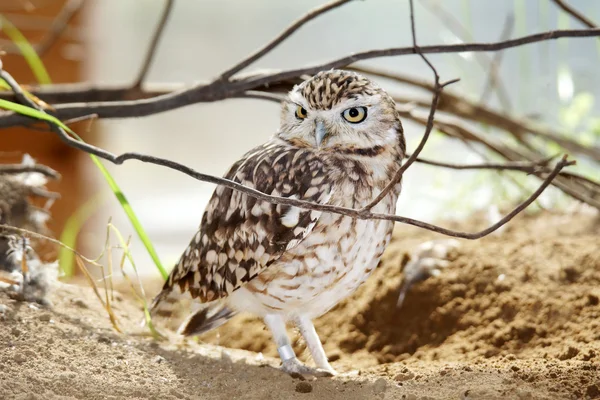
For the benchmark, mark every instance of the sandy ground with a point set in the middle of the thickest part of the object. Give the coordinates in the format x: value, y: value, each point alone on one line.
x: 514, y: 316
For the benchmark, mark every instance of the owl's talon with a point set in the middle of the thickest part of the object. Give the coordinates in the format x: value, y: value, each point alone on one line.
x: 294, y: 367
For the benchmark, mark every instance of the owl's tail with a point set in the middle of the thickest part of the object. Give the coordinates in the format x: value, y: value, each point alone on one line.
x: 208, y: 317
x: 173, y: 306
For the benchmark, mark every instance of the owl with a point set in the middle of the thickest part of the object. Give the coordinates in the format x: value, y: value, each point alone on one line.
x: 340, y: 143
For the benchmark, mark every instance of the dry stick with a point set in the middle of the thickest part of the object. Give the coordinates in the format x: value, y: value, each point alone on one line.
x: 314, y: 13
x: 38, y: 192
x: 154, y: 44
x: 522, y: 166
x: 493, y: 79
x: 460, y: 107
x: 575, y: 14
x: 457, y: 131
x: 220, y: 90
x: 19, y: 168
x: 56, y: 30
x: 456, y: 27
x: 359, y: 214
x: 436, y: 96
x: 14, y: 229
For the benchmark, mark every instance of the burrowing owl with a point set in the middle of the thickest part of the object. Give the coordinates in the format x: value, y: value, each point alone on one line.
x: 340, y: 143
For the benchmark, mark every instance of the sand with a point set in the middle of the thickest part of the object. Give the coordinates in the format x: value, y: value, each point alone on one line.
x: 513, y: 316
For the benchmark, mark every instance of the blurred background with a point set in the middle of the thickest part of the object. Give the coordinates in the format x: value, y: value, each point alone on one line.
x: 554, y: 82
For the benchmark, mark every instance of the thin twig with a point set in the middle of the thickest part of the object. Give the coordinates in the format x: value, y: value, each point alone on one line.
x: 522, y: 166
x: 436, y: 96
x: 20, y: 168
x: 359, y: 214
x: 463, y: 108
x: 456, y: 130
x: 21, y: 231
x: 46, y: 194
x: 484, y: 61
x: 314, y: 13
x: 493, y: 77
x: 575, y: 14
x: 154, y: 44
x: 220, y: 90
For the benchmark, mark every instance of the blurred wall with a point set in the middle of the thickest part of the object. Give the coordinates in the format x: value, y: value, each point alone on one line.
x: 64, y: 64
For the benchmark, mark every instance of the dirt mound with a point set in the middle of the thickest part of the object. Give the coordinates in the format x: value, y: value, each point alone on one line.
x: 514, y: 315
x: 531, y: 294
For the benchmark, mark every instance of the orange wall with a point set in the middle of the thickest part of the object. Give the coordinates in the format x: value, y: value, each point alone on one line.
x: 46, y: 148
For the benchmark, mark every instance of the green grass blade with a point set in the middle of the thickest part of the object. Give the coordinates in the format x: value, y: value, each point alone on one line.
x: 66, y: 258
x: 33, y: 113
x: 131, y: 215
x: 26, y: 49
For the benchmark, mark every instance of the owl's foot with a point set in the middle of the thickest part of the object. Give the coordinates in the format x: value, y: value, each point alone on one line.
x: 294, y: 367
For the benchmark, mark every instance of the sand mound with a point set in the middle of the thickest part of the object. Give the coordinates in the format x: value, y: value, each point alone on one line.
x: 513, y: 316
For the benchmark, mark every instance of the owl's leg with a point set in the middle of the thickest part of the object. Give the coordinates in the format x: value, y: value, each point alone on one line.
x: 307, y: 329
x: 290, y: 364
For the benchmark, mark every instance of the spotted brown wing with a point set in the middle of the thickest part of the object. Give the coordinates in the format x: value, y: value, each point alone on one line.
x: 239, y: 235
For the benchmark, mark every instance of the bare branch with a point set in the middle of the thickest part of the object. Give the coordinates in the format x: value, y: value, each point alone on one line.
x: 359, y: 214
x: 20, y: 168
x: 486, y: 63
x: 36, y: 191
x: 220, y: 90
x: 154, y: 44
x: 522, y: 166
x: 461, y: 107
x: 314, y: 13
x: 493, y: 78
x: 60, y: 23
x: 575, y: 14
x: 566, y: 183
x: 436, y: 97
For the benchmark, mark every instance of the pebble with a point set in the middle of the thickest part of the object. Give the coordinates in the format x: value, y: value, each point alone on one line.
x: 158, y: 359
x: 79, y: 303
x: 45, y: 317
x: 19, y: 358
x: 402, y: 377
x: 380, y: 385
x: 303, y: 387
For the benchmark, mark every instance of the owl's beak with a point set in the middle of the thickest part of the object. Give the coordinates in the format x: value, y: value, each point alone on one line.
x: 320, y: 132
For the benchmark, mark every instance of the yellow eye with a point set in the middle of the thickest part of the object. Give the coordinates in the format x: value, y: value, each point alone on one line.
x: 355, y: 114
x: 301, y: 113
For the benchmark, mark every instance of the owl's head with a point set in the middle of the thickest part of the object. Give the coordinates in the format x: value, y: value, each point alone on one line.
x: 340, y: 110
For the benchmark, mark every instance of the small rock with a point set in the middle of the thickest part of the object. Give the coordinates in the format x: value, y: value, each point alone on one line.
x: 177, y: 394
x: 380, y: 385
x: 103, y: 339
x: 303, y: 387
x: 593, y: 391
x: 79, y: 303
x: 569, y: 353
x: 15, y: 332
x: 401, y: 377
x: 45, y: 317
x: 158, y: 359
x: 19, y: 358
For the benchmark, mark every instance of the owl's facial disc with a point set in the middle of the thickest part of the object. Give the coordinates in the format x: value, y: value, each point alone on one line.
x: 339, y: 110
